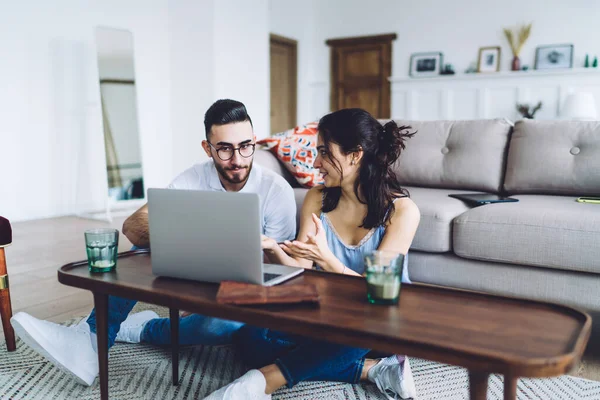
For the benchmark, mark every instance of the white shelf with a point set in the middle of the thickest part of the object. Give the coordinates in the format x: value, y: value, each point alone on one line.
x: 499, y: 75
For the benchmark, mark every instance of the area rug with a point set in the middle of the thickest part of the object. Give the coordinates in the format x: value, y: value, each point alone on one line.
x: 144, y: 372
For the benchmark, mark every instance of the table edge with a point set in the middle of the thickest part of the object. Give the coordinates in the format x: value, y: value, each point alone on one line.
x: 527, y: 367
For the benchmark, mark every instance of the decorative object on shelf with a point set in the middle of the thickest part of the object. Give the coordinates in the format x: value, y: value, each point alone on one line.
x: 579, y: 106
x: 447, y: 70
x: 586, y: 63
x: 472, y: 68
x: 489, y: 59
x: 554, y: 56
x: 516, y: 41
x: 525, y: 68
x: 595, y: 63
x: 527, y: 111
x: 426, y: 64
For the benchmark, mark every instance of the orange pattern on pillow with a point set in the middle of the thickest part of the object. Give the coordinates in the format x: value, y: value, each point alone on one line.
x: 297, y: 150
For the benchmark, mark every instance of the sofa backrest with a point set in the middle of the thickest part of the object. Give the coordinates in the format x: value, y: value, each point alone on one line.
x: 268, y: 160
x: 554, y: 157
x: 455, y: 154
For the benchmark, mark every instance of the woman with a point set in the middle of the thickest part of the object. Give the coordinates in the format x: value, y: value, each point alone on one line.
x: 360, y: 208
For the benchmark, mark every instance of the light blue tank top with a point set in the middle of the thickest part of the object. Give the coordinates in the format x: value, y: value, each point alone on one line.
x: 353, y: 256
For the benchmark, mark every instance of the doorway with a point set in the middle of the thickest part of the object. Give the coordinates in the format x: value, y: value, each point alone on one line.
x: 284, y: 83
x: 360, y: 68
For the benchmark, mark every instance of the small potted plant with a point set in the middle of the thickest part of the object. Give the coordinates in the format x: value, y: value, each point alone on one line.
x: 516, y: 42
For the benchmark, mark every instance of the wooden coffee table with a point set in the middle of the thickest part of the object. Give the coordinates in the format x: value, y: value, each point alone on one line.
x: 483, y: 333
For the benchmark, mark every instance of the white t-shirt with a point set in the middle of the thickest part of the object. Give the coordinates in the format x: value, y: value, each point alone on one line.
x: 277, y: 203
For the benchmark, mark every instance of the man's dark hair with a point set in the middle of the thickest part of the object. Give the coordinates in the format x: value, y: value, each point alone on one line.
x: 224, y: 112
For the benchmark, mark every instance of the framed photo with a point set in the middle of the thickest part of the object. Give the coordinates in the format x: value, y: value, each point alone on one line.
x: 426, y: 64
x: 489, y: 59
x: 554, y: 56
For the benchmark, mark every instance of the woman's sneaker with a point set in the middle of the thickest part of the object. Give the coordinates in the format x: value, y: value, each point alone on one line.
x: 67, y: 347
x: 393, y: 378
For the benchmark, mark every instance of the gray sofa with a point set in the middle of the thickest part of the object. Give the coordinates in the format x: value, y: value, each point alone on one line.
x: 546, y: 246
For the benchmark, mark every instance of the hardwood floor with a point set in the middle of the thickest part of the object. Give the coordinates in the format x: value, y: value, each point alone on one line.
x: 40, y: 247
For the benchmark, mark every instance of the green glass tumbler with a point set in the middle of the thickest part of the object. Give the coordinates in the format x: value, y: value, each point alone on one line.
x: 384, y: 276
x: 102, y: 246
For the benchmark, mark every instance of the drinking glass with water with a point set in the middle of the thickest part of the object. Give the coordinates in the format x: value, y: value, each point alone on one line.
x: 102, y: 246
x: 384, y: 276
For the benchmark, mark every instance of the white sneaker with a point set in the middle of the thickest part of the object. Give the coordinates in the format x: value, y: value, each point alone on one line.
x: 67, y: 347
x: 131, y: 329
x: 393, y: 378
x: 250, y: 386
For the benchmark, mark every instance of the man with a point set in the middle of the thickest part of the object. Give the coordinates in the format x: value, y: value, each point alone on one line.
x: 229, y: 144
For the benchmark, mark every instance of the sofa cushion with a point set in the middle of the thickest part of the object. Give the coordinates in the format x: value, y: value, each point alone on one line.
x: 455, y: 154
x: 297, y: 150
x: 545, y: 231
x: 554, y: 157
x: 299, y: 195
x: 437, y: 212
x: 268, y: 160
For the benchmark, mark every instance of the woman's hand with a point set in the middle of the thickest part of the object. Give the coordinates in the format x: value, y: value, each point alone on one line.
x: 314, y: 249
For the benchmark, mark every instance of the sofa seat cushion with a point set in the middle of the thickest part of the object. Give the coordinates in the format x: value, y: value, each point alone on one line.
x: 437, y: 213
x: 545, y: 231
x: 466, y: 155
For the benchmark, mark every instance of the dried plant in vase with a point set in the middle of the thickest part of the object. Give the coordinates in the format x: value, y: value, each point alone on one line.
x: 527, y: 111
x: 516, y: 41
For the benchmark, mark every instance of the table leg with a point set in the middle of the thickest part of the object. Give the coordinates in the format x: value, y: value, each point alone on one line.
x: 478, y: 383
x: 174, y: 321
x: 101, y: 304
x: 510, y: 387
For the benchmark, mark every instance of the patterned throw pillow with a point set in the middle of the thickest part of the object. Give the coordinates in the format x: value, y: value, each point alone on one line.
x: 297, y: 150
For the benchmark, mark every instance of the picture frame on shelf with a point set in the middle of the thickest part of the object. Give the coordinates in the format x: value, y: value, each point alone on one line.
x: 555, y: 56
x: 489, y: 59
x: 426, y: 64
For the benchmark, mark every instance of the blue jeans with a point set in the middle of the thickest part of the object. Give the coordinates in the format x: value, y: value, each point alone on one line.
x: 193, y: 330
x: 300, y: 358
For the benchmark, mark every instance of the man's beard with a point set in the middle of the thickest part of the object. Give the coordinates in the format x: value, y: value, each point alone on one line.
x: 239, y: 177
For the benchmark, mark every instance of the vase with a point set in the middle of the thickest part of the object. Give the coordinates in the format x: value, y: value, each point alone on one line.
x: 516, y: 64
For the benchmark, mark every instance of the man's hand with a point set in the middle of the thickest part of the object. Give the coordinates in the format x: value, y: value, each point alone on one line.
x: 268, y: 243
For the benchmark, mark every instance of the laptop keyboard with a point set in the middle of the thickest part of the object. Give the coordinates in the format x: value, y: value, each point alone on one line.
x: 267, y: 277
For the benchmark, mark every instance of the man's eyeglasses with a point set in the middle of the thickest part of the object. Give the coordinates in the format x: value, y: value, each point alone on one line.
x: 226, y: 152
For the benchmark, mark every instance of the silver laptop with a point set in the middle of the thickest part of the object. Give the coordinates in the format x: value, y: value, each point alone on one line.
x: 210, y: 236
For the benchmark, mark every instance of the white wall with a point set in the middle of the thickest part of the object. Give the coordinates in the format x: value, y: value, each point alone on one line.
x: 241, y: 56
x: 191, y: 26
x: 51, y: 132
x: 187, y: 54
x: 297, y: 20
x: 458, y: 28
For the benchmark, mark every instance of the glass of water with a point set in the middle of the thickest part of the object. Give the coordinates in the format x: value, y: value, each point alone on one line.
x: 102, y: 246
x: 384, y: 276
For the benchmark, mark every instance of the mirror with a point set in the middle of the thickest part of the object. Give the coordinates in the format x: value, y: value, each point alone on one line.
x: 119, y: 114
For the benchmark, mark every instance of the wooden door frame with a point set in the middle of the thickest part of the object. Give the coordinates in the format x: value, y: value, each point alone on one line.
x: 293, y: 74
x: 357, y: 41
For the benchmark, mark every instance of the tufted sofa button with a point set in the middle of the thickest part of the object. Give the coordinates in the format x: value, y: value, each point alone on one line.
x: 445, y: 150
x: 575, y: 150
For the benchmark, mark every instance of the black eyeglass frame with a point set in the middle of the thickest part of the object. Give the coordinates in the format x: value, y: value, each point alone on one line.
x: 233, y: 149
